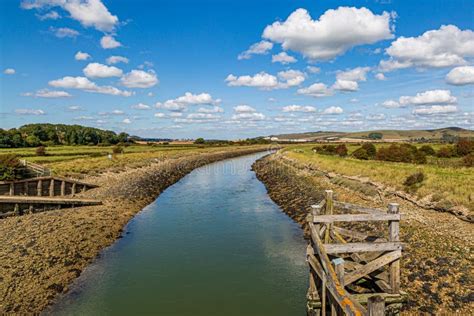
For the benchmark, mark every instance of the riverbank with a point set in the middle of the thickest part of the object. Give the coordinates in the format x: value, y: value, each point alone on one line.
x: 437, y: 258
x: 42, y: 253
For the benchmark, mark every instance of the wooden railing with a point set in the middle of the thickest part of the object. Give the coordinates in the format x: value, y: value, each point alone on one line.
x: 38, y: 170
x: 339, y: 257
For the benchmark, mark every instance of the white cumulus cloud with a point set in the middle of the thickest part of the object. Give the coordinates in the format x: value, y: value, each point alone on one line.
x: 316, y: 90
x: 82, y: 83
x: 461, y: 76
x: 260, y: 48
x: 141, y: 106
x: 96, y: 70
x: 90, y: 13
x: 327, y: 37
x: 109, y: 42
x: 9, y: 71
x: 45, y: 93
x: 448, y: 46
x: 29, y: 112
x: 345, y: 85
x: 333, y: 110
x: 429, y: 97
x: 181, y: 103
x: 63, y: 32
x: 283, y: 58
x: 265, y: 81
x: 117, y: 59
x: 81, y: 56
x: 139, y: 79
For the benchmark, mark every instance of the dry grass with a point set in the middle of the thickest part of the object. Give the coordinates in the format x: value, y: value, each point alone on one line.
x: 451, y: 186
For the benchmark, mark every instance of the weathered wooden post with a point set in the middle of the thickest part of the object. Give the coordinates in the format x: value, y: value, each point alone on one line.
x: 376, y: 306
x: 39, y: 188
x: 12, y: 188
x: 73, y: 189
x: 63, y: 188
x: 329, y: 211
x: 316, y: 210
x: 25, y: 186
x: 16, y: 210
x: 51, y: 187
x: 394, y: 236
x: 338, y: 265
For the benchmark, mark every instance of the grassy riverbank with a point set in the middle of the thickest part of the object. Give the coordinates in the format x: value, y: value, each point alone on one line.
x: 444, y: 186
x: 438, y: 247
x: 43, y: 253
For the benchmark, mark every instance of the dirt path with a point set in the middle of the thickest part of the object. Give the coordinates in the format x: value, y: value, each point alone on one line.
x: 42, y: 253
x: 437, y: 261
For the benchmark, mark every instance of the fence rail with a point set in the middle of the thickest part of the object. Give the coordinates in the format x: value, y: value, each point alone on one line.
x: 343, y: 261
x: 37, y: 169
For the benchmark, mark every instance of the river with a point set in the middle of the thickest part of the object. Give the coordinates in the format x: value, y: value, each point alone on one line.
x: 214, y: 243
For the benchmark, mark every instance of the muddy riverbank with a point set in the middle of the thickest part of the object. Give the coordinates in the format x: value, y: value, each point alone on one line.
x: 42, y: 253
x: 437, y: 260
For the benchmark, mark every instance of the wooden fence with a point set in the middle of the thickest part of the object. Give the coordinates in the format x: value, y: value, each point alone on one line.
x: 36, y: 169
x: 44, y: 186
x: 350, y: 273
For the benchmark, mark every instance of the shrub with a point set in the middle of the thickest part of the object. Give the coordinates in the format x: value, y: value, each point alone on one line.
x: 428, y: 150
x: 117, y: 150
x: 370, y: 149
x: 419, y: 157
x: 341, y: 150
x: 41, y: 151
x: 446, y: 152
x: 10, y: 167
x: 414, y: 179
x: 395, y: 153
x: 464, y: 147
x: 361, y: 154
x: 468, y: 160
x: 326, y: 149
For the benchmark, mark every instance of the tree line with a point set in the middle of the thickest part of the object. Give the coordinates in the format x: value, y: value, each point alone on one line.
x: 33, y: 135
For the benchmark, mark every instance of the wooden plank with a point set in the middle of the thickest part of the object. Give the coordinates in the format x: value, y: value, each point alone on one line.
x: 46, y: 200
x: 394, y: 236
x: 51, y: 187
x: 371, y: 266
x: 350, y: 233
x: 63, y: 188
x: 12, y: 188
x: 356, y: 218
x: 362, y: 247
x: 90, y: 185
x: 376, y: 306
x: 329, y: 211
x: 73, y: 189
x: 339, y: 294
x: 39, y: 188
x: 358, y: 208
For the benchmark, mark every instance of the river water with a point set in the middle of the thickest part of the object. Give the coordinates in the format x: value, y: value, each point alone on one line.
x: 214, y: 243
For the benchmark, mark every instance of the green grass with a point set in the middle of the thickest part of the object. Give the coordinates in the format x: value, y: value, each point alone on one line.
x: 451, y: 185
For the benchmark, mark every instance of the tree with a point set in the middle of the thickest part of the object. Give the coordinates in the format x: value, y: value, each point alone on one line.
x: 375, y: 135
x: 199, y: 140
x: 446, y: 152
x: 10, y: 167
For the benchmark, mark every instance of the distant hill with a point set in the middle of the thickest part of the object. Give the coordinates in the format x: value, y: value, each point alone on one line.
x: 446, y: 133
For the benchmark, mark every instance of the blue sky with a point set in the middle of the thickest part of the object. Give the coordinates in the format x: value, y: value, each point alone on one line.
x: 237, y: 69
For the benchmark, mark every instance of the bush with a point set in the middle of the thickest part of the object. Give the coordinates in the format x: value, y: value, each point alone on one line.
x: 428, y: 150
x: 419, y: 157
x: 10, y: 167
x: 395, y: 153
x: 370, y: 149
x: 117, y: 150
x: 446, y: 152
x: 464, y: 147
x: 41, y: 151
x: 468, y: 160
x: 361, y: 154
x: 341, y: 150
x: 414, y: 179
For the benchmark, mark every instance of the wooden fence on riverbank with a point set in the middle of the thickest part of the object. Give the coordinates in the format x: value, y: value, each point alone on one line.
x: 24, y: 196
x: 350, y: 272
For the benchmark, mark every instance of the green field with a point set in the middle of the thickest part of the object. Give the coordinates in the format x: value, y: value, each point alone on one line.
x: 447, y: 185
x: 75, y: 160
